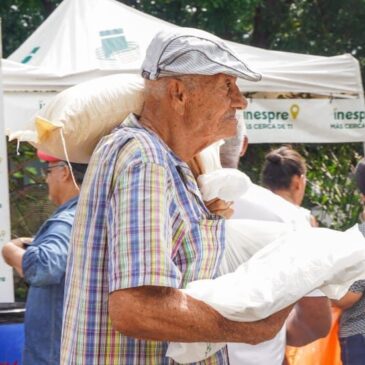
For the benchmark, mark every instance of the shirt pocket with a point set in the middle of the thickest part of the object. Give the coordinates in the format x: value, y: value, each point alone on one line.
x: 202, y: 250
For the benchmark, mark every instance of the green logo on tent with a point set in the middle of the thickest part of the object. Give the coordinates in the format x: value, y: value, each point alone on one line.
x: 114, y: 46
x: 27, y: 58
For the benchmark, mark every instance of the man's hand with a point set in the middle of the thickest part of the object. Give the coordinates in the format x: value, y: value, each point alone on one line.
x: 22, y: 242
x: 220, y: 207
x: 13, y: 252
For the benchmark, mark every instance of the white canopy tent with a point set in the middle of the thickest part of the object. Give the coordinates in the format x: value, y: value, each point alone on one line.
x: 85, y: 39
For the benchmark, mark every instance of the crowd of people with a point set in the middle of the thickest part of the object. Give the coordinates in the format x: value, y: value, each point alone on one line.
x: 107, y: 291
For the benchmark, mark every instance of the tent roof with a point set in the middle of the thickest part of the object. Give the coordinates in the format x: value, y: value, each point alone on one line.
x: 83, y: 39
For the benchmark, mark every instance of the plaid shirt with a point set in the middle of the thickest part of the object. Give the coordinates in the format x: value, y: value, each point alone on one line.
x: 140, y: 221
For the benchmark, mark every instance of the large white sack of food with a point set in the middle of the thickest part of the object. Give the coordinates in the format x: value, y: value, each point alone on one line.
x: 73, y: 122
x: 224, y: 183
x: 276, y: 276
x: 245, y: 237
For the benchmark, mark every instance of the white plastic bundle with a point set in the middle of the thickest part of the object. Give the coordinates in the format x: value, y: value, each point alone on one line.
x: 214, y: 184
x: 72, y: 123
x: 245, y: 237
x: 279, y: 274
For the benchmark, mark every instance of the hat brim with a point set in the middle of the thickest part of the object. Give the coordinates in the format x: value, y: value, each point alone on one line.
x: 45, y: 157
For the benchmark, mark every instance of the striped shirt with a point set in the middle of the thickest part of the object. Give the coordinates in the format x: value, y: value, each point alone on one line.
x: 140, y: 221
x: 352, y: 321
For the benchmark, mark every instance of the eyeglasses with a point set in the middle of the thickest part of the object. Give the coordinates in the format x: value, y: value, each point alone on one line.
x: 47, y: 170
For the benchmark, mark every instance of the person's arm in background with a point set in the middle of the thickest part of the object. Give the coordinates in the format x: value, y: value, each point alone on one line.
x: 13, y: 252
x: 354, y: 294
x: 309, y: 320
x: 44, y: 262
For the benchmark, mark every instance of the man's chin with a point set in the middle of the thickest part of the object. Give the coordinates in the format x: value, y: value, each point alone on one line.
x: 230, y: 128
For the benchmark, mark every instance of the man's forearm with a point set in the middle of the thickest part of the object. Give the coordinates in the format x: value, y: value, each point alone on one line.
x: 169, y: 314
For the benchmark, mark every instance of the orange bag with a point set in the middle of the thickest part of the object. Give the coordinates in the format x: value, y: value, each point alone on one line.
x: 325, y: 351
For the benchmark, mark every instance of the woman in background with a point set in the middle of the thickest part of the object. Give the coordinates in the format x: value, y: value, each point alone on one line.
x: 284, y: 173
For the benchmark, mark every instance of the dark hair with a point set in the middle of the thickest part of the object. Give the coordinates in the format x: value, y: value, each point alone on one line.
x: 280, y: 166
x: 360, y: 176
x: 78, y: 170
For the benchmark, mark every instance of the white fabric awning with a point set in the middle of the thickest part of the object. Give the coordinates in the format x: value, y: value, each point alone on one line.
x: 85, y: 39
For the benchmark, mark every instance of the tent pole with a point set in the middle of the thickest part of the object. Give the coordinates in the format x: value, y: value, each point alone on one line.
x: 6, y: 272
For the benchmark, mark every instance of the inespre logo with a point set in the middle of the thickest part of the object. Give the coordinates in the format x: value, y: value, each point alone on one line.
x: 273, y: 116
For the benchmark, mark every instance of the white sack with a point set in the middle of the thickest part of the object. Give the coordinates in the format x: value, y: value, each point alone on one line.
x: 276, y: 276
x: 208, y: 159
x: 214, y: 184
x: 74, y: 121
x: 245, y: 237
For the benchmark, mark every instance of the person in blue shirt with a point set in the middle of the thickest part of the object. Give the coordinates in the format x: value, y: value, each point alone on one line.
x: 42, y: 262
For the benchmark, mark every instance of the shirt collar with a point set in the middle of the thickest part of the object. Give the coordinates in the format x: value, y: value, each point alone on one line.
x: 133, y: 122
x: 67, y: 204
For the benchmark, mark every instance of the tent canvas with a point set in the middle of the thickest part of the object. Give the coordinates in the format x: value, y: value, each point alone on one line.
x: 84, y: 39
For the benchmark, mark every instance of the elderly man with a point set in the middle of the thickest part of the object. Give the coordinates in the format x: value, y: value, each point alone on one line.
x: 42, y: 262
x: 142, y: 231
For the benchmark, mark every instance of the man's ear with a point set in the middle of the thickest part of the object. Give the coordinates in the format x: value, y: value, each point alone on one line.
x: 178, y: 94
x: 66, y: 175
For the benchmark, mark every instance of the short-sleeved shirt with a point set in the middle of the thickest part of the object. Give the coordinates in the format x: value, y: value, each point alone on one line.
x: 44, y: 266
x: 140, y: 221
x: 352, y: 320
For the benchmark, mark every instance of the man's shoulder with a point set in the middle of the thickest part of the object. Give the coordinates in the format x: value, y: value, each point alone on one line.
x: 131, y: 143
x: 65, y: 214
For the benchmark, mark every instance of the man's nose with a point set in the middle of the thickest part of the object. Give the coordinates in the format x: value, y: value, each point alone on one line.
x: 238, y: 100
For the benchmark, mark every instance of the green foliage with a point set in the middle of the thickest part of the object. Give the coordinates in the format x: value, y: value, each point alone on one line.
x: 20, y: 18
x: 232, y: 21
x: 331, y: 188
x: 28, y: 192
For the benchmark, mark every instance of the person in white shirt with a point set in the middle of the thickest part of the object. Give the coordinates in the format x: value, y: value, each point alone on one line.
x: 311, y: 317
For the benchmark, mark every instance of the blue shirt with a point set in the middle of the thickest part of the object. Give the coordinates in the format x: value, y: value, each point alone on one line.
x: 44, y: 266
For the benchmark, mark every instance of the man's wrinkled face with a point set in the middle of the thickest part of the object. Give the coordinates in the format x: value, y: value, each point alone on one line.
x: 212, y: 104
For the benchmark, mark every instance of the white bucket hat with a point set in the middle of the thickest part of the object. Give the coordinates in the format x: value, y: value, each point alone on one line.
x: 189, y: 51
